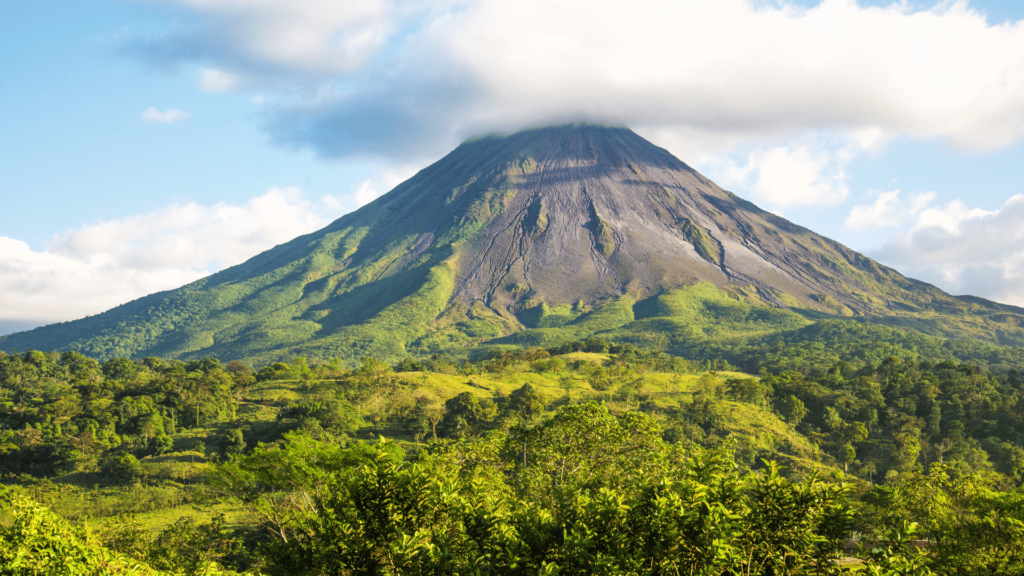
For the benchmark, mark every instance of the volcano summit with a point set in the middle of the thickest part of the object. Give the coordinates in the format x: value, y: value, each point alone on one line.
x: 546, y: 234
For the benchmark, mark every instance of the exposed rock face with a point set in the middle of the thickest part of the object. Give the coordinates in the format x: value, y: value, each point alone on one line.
x: 600, y: 211
x: 471, y: 246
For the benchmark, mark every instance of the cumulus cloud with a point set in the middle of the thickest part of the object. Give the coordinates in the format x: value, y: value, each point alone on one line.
x: 168, y: 116
x: 888, y: 210
x: 397, y: 78
x: 372, y: 188
x: 269, y: 40
x: 366, y: 192
x: 93, y: 268
x: 792, y: 175
x: 211, y: 80
x: 964, y: 250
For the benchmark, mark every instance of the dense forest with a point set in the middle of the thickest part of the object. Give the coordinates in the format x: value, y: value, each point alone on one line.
x: 587, y: 457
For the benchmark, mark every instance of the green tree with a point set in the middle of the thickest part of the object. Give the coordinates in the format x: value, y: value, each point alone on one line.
x: 150, y: 426
x: 464, y: 416
x: 120, y: 466
x: 162, y: 444
x: 241, y: 373
x: 280, y: 485
x: 198, y: 446
x: 35, y: 541
x: 430, y: 408
x: 524, y: 402
x: 792, y: 409
x: 906, y: 448
x: 848, y: 455
x: 975, y: 528
x: 749, y: 390
x: 583, y: 447
x: 451, y: 512
x: 119, y: 369
x: 332, y: 413
x: 234, y: 443
x: 189, y: 547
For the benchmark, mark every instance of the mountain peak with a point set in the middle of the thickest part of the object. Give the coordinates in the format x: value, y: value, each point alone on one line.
x: 491, y: 239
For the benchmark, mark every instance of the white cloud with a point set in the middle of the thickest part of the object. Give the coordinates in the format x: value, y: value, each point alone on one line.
x: 964, y: 250
x: 888, y: 210
x: 278, y: 38
x: 93, y: 268
x: 47, y: 286
x: 366, y: 193
x: 792, y: 175
x: 796, y: 175
x: 168, y: 116
x: 372, y: 188
x: 951, y: 217
x: 394, y: 78
x: 211, y: 80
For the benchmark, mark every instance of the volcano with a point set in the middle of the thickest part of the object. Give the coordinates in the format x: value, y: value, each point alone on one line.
x: 556, y: 232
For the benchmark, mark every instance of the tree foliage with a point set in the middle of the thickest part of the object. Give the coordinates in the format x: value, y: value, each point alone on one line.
x: 37, y: 541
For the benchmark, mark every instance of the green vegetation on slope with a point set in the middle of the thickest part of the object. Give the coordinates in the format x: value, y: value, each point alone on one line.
x: 705, y: 246
x: 369, y: 284
x: 703, y: 322
x: 558, y: 230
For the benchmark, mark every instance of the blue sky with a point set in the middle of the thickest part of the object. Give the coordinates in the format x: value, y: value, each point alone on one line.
x: 72, y: 138
x: 146, y: 143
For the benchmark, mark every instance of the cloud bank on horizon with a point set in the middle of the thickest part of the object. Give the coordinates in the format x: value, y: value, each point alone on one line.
x: 101, y: 265
x: 964, y: 250
x: 766, y: 96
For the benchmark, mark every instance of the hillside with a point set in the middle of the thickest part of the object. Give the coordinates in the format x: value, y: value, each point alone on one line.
x: 547, y: 234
